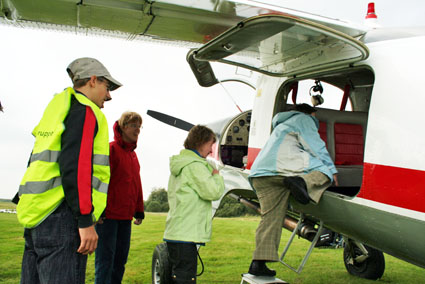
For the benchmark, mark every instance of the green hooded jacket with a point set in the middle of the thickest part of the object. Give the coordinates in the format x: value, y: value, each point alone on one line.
x: 191, y: 189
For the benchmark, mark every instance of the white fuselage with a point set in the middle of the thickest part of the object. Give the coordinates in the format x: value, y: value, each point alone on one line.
x: 393, y: 183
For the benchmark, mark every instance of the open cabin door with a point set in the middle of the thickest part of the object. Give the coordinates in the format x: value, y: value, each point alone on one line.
x: 283, y: 45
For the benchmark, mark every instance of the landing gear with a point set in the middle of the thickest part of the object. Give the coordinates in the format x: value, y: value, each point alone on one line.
x: 161, y: 269
x: 363, y: 261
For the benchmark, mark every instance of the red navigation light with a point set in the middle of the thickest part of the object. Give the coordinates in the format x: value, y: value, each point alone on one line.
x: 371, y: 11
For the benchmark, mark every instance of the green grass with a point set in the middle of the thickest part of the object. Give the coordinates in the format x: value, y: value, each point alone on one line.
x: 7, y: 205
x: 225, y: 257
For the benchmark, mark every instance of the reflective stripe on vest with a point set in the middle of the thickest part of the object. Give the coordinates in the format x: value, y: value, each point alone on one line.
x: 46, y: 156
x: 101, y: 160
x: 52, y: 156
x: 36, y: 187
x: 99, y: 185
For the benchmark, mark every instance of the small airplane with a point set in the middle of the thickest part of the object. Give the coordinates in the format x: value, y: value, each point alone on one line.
x: 374, y: 134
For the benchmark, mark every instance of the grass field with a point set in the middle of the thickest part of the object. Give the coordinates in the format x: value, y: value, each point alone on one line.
x: 225, y: 257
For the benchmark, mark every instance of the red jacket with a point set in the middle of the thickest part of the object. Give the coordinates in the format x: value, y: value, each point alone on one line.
x: 125, y: 195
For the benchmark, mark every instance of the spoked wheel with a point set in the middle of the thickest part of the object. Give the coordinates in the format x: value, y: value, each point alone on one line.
x: 363, y: 261
x: 161, y: 269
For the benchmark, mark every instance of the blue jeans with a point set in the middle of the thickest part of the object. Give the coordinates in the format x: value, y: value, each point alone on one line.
x: 112, y: 250
x: 50, y: 254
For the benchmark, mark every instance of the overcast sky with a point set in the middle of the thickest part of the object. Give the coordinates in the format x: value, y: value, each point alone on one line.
x: 32, y: 70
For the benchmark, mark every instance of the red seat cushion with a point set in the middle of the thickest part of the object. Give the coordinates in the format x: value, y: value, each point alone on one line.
x: 348, y: 144
x: 322, y: 132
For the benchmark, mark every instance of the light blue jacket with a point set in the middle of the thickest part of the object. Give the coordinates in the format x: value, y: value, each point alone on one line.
x: 294, y: 148
x: 191, y: 188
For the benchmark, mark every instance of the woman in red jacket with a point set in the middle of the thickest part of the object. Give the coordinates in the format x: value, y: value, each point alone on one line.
x: 125, y: 201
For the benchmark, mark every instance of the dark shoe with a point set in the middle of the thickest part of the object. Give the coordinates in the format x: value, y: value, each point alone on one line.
x: 298, y: 189
x: 259, y: 268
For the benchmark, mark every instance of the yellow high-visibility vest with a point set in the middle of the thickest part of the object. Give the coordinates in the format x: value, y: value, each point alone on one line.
x: 41, y: 190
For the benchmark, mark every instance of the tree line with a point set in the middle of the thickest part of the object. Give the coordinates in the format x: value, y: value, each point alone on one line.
x: 229, y: 207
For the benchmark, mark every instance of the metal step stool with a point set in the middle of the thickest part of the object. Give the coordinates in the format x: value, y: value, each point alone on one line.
x: 313, y: 243
x: 252, y: 279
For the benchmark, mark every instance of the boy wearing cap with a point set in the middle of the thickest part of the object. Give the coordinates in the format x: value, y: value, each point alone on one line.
x: 63, y: 191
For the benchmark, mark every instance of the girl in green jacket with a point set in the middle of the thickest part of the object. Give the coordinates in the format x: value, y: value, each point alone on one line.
x: 192, y: 186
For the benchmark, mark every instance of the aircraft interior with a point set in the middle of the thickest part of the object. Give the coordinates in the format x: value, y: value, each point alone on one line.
x: 342, y: 128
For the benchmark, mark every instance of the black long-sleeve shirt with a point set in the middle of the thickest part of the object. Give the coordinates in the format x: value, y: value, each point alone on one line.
x: 76, y: 161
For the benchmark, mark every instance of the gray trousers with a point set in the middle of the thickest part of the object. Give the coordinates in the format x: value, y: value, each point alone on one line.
x: 273, y: 197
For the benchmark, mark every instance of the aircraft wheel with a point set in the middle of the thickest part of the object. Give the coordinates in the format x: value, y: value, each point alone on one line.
x: 371, y: 267
x: 161, y: 268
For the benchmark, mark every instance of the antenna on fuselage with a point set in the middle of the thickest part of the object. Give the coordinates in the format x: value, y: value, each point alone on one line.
x: 230, y: 96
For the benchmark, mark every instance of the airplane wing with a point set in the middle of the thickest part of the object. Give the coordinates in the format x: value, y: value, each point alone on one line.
x: 184, y: 22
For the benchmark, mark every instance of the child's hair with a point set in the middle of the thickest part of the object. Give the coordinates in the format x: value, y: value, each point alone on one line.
x: 305, y: 108
x: 198, y: 135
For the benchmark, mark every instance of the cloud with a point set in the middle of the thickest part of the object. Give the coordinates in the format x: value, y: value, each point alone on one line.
x: 154, y: 77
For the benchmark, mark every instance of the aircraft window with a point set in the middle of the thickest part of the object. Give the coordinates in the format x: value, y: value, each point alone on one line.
x: 331, y: 95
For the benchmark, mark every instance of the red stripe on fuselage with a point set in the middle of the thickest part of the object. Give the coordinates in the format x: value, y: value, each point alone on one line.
x: 252, y: 154
x: 401, y: 187
x: 395, y: 186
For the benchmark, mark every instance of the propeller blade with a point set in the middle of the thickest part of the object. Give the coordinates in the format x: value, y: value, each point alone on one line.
x: 170, y: 120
